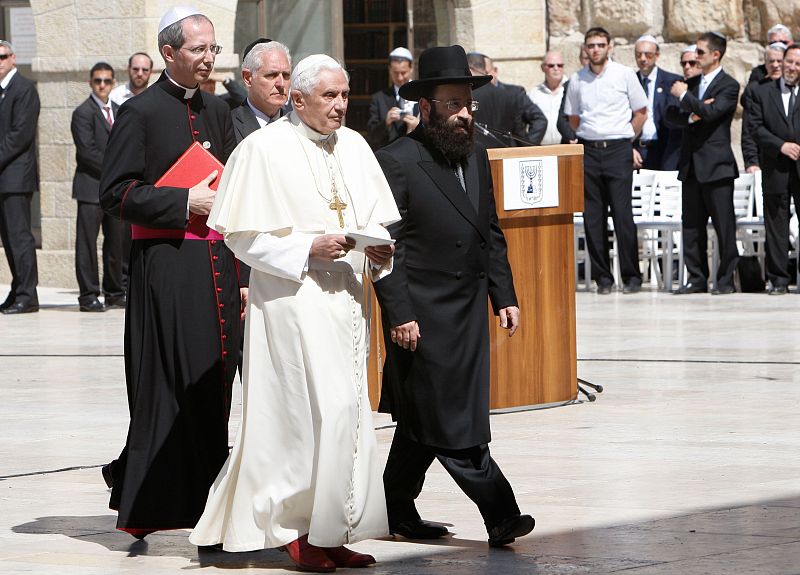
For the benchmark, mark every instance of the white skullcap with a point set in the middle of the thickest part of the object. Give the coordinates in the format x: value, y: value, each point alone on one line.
x: 779, y: 46
x: 647, y: 38
x: 310, y: 61
x: 690, y: 48
x: 176, y: 14
x: 402, y: 53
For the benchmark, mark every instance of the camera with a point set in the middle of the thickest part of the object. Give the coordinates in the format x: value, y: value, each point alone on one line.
x: 403, y: 113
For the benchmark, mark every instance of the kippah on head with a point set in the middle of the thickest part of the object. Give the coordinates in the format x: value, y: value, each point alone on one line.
x: 690, y: 48
x: 647, y: 38
x: 401, y: 54
x: 777, y: 46
x: 253, y: 44
x: 176, y: 14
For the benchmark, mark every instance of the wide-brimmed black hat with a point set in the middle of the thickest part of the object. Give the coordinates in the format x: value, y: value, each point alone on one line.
x: 441, y: 65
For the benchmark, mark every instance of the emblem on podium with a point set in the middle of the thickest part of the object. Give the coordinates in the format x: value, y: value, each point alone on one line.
x: 531, y: 181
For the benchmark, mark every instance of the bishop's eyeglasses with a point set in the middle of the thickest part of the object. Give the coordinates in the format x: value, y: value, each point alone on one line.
x: 200, y: 50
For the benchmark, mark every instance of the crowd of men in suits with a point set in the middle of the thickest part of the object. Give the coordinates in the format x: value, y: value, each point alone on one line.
x: 649, y: 118
x: 669, y: 121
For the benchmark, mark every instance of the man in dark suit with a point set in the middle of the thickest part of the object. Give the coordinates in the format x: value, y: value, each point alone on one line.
x: 266, y: 71
x: 19, y: 178
x: 506, y: 116
x: 91, y: 125
x: 391, y: 115
x: 773, y: 61
x: 530, y: 123
x: 775, y: 124
x: 707, y: 167
x: 658, y: 145
x: 450, y: 258
x: 778, y: 33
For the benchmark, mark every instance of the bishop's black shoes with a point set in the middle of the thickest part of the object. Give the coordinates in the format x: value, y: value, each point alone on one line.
x: 418, y: 529
x: 506, y: 531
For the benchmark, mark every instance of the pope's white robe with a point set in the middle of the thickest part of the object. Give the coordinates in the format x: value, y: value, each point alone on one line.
x: 305, y: 458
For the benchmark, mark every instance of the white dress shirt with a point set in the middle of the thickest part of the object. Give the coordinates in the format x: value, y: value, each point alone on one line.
x: 549, y: 101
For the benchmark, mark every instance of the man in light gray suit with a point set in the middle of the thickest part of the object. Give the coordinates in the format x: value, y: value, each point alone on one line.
x: 266, y: 70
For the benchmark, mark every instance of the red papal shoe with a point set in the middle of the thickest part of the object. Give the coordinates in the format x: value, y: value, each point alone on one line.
x: 344, y: 557
x: 307, y: 557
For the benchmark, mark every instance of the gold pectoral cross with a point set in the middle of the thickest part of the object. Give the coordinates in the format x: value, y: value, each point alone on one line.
x: 338, y: 205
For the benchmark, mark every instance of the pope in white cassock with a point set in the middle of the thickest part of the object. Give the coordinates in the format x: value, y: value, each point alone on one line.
x: 304, y: 472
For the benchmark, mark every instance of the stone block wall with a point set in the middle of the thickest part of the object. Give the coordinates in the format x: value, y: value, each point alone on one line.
x: 71, y: 36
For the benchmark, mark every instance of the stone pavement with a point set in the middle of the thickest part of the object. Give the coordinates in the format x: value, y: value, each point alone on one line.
x: 688, y: 463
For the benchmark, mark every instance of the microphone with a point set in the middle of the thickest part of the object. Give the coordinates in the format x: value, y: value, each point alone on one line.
x: 487, y: 131
x: 490, y: 133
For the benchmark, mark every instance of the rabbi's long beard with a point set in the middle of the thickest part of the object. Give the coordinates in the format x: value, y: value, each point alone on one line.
x: 452, y: 136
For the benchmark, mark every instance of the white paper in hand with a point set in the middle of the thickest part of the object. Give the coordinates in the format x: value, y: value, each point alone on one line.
x: 370, y: 236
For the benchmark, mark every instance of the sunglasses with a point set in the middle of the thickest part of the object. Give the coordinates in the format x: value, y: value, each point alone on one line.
x: 554, y: 65
x: 5, y: 56
x: 700, y: 52
x: 98, y: 81
x: 596, y: 45
x: 691, y: 63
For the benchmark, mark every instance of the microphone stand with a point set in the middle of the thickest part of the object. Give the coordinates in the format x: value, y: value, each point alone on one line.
x: 487, y: 131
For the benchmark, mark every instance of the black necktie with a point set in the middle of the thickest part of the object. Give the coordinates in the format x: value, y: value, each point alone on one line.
x: 645, y: 83
x: 792, y: 99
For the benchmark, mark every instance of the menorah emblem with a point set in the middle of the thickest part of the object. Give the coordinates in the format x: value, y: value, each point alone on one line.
x: 531, y: 189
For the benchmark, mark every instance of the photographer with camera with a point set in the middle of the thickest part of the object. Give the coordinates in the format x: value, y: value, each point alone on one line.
x: 391, y: 116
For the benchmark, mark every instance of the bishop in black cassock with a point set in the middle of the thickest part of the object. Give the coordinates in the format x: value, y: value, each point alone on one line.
x: 182, y: 325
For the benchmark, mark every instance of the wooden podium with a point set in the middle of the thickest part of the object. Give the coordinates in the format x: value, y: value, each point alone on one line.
x: 538, y: 366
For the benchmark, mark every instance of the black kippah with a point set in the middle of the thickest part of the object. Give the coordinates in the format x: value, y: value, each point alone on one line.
x: 253, y: 44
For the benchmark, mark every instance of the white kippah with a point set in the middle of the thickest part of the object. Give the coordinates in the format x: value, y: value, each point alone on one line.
x: 648, y: 38
x: 690, y: 48
x: 176, y: 14
x: 309, y: 61
x: 402, y: 53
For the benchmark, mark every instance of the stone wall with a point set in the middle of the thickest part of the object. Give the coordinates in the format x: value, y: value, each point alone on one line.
x: 675, y: 23
x: 71, y: 36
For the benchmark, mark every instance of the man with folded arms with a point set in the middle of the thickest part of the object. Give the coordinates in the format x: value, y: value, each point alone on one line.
x: 704, y: 109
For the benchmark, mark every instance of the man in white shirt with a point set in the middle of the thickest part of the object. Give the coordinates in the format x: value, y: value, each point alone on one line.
x: 549, y: 94
x: 140, y: 66
x: 607, y: 107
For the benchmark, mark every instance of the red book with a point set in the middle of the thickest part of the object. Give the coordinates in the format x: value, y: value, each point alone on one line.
x: 191, y: 168
x: 194, y: 166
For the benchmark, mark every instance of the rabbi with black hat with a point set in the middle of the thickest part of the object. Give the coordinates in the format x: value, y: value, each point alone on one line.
x: 450, y: 259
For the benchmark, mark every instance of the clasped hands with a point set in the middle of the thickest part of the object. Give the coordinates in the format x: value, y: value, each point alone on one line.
x: 331, y: 247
